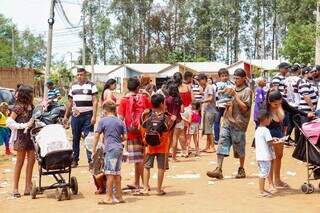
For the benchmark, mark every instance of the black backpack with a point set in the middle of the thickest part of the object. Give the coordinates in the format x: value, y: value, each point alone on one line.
x: 154, y: 125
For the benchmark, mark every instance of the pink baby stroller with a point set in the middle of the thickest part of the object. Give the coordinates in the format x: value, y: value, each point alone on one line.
x: 308, y: 150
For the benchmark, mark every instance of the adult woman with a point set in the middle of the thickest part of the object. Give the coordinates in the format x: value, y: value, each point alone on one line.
x: 108, y: 92
x: 19, y: 122
x: 277, y: 106
x: 184, y: 90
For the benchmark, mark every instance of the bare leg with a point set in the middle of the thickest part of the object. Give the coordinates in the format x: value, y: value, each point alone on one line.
x: 261, y: 185
x: 160, y: 180
x: 270, y: 177
x: 210, y: 143
x: 278, y: 148
x: 138, y: 170
x: 196, y: 143
x: 29, y: 169
x: 110, y: 181
x: 188, y: 141
x: 176, y: 135
x: 17, y: 169
x: 117, y: 179
x: 220, y: 160
x: 146, y: 177
x: 241, y: 160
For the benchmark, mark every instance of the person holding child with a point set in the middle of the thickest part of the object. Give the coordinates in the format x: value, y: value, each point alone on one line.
x: 20, y: 122
x: 236, y: 120
x: 115, y: 133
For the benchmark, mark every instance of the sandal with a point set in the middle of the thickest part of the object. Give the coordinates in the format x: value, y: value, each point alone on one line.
x: 264, y: 194
x: 105, y: 203
x: 16, y: 195
x: 161, y: 193
x: 282, y: 185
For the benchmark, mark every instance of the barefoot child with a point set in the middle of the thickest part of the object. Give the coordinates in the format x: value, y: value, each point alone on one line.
x: 155, y: 130
x: 193, y: 120
x: 264, y: 152
x: 114, y: 132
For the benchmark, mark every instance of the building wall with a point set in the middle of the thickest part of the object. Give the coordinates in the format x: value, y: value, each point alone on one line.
x: 10, y: 77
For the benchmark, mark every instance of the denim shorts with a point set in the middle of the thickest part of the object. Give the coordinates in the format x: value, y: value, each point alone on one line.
x: 230, y: 136
x: 264, y: 168
x: 162, y: 161
x: 113, y: 161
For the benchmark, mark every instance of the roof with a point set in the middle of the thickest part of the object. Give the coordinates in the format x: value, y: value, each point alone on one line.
x: 147, y: 68
x: 264, y: 64
x: 204, y: 67
x: 98, y: 69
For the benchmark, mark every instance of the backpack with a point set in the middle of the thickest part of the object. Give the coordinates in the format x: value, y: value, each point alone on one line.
x: 134, y: 109
x: 154, y: 125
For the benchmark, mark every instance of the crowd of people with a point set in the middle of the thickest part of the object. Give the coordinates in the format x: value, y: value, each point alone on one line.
x: 148, y: 124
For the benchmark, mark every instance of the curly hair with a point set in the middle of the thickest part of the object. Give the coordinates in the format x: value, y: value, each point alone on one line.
x: 25, y: 96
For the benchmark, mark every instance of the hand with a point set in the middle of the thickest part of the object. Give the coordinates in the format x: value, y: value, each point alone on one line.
x: 65, y: 121
x: 93, y: 120
x: 93, y: 153
x: 311, y: 115
x: 30, y: 123
x: 173, y: 117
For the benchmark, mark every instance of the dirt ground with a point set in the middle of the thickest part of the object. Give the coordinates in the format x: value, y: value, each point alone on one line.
x: 187, y: 186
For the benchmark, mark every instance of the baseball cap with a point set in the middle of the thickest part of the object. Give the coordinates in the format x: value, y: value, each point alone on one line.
x: 283, y: 65
x: 318, y: 68
x: 306, y: 70
x: 294, y: 68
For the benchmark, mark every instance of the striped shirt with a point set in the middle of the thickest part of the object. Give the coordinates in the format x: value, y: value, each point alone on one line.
x: 82, y: 96
x: 278, y: 81
x: 197, y: 92
x: 53, y: 93
x: 306, y: 89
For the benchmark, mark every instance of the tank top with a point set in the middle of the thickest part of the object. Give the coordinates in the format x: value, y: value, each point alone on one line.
x: 186, y: 98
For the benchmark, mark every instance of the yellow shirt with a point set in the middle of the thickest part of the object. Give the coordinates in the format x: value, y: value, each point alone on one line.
x: 3, y: 120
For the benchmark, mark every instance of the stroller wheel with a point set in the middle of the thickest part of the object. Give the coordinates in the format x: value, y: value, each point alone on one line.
x: 33, y: 192
x: 311, y: 188
x: 59, y: 194
x: 74, y: 185
x: 67, y: 193
x: 305, y: 188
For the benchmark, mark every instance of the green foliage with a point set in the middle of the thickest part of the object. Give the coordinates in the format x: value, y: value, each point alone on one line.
x: 299, y: 45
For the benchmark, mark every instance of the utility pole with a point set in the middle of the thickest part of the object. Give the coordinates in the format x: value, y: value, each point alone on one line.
x: 91, y: 42
x: 13, y: 47
x: 49, y: 47
x: 317, y: 59
x: 84, y: 35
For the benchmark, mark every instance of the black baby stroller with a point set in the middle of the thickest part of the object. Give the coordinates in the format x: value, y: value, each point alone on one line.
x: 52, y: 163
x: 308, y: 150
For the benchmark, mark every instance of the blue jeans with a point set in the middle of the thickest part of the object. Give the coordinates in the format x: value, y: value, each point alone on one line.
x: 79, y: 124
x: 217, y: 123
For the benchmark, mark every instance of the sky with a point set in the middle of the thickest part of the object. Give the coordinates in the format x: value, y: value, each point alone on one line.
x: 33, y: 15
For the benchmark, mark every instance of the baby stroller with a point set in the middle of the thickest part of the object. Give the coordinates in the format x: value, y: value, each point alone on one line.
x: 308, y: 150
x: 53, y: 155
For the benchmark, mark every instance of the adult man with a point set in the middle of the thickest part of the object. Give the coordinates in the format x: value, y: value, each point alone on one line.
x: 209, y: 111
x: 83, y: 105
x: 236, y: 120
x: 278, y: 80
x: 53, y: 92
x: 308, y: 96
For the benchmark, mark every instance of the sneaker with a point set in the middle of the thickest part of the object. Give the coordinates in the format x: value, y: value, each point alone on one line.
x: 74, y: 164
x: 217, y: 173
x: 241, y: 173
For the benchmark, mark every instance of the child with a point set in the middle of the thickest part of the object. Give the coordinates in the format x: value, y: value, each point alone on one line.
x: 4, y: 130
x: 264, y: 152
x: 162, y: 122
x: 194, y: 121
x: 174, y: 106
x: 222, y: 99
x: 114, y: 132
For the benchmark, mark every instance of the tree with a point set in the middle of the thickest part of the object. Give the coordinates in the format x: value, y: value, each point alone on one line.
x: 299, y: 45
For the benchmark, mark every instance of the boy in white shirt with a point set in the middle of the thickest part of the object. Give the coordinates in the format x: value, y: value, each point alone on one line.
x: 264, y: 152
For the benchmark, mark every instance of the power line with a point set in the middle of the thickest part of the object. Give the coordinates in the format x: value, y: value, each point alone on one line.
x: 60, y: 7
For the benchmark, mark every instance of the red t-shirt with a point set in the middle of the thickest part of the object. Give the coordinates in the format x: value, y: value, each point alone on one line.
x: 122, y: 110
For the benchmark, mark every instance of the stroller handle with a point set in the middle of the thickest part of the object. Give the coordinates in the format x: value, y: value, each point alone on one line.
x: 34, y: 131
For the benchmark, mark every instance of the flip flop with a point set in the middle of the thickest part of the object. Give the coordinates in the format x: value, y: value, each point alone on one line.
x: 264, y: 194
x: 161, y: 193
x: 105, y: 203
x: 131, y: 186
x: 26, y: 194
x: 282, y: 186
x: 16, y: 195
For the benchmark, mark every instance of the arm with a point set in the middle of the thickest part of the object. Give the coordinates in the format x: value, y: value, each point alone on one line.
x: 309, y: 102
x: 95, y: 108
x: 68, y: 111
x: 209, y: 99
x: 95, y: 142
x: 292, y: 110
x: 13, y: 125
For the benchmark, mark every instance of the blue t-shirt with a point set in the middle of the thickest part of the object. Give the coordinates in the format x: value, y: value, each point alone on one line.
x: 112, y: 128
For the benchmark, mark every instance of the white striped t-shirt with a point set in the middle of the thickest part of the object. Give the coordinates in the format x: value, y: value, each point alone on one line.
x: 278, y: 81
x: 306, y: 89
x: 82, y: 96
